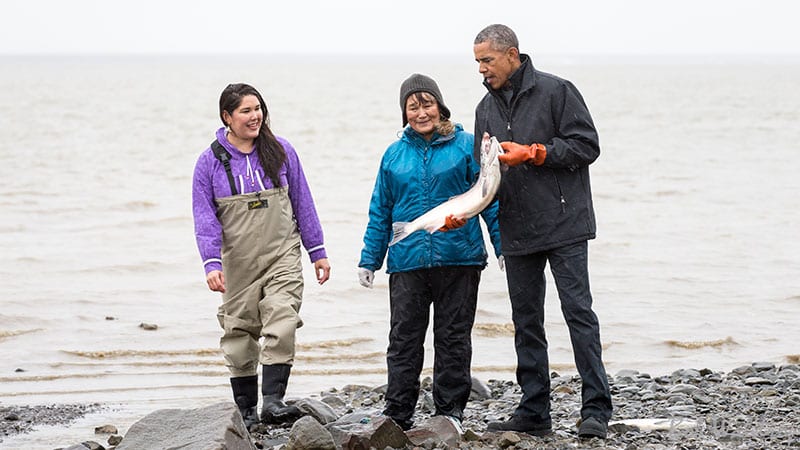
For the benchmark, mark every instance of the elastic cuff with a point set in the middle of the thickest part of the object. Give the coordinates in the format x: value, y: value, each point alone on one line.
x: 317, y: 254
x: 212, y: 265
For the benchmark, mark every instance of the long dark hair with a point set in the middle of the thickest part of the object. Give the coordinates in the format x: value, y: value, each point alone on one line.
x: 269, y: 151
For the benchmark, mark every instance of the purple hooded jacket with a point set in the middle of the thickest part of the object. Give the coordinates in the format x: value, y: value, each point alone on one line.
x: 210, y: 181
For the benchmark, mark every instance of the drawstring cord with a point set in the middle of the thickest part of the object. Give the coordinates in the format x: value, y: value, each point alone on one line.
x: 251, y: 175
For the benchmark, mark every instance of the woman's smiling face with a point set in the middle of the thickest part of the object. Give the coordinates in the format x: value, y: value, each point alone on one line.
x: 422, y: 112
x: 245, y: 122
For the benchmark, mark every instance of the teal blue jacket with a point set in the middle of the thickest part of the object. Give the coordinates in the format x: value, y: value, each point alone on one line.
x: 414, y: 177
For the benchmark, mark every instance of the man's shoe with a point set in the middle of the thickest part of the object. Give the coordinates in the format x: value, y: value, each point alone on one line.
x: 405, y: 425
x: 522, y: 425
x: 456, y: 423
x: 592, y: 427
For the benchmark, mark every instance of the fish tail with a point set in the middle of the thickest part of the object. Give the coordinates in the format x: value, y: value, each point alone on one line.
x: 398, y: 232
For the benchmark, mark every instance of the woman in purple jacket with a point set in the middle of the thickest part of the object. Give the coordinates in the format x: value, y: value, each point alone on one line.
x: 252, y: 210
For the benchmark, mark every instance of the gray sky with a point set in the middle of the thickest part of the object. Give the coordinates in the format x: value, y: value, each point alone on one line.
x: 692, y: 27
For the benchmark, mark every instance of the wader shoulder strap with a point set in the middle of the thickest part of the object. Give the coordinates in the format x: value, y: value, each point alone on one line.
x: 225, y: 158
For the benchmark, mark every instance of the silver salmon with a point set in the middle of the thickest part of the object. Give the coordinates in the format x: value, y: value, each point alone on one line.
x: 463, y: 206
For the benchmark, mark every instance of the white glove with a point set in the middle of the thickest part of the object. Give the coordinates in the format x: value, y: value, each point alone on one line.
x: 365, y: 277
x: 501, y: 263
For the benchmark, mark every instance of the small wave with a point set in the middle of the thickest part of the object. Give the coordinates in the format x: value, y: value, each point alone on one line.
x: 121, y: 354
x: 46, y: 377
x: 194, y: 387
x: 12, y: 333
x: 214, y: 362
x: 340, y: 358
x: 23, y: 193
x: 108, y: 354
x: 493, y: 368
x: 126, y: 224
x: 494, y: 329
x: 12, y: 229
x: 565, y: 367
x: 135, y: 205
x: 694, y: 345
x: 144, y: 266
x: 428, y: 371
x: 168, y: 363
x: 151, y: 266
x: 158, y: 222
x: 342, y: 371
x: 28, y: 259
x: 332, y: 344
x: 668, y: 193
x: 196, y: 373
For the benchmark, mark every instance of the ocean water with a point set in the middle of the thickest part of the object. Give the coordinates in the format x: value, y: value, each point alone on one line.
x: 696, y: 263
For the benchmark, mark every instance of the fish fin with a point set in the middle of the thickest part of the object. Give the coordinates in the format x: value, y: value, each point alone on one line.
x: 398, y: 232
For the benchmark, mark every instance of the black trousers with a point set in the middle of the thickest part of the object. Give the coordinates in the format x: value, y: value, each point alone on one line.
x: 453, y: 292
x: 526, y: 286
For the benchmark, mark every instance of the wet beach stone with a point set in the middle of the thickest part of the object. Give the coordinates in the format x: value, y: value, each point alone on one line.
x: 755, y: 406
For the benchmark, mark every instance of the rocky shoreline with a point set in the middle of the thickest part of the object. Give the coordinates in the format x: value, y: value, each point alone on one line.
x: 756, y: 406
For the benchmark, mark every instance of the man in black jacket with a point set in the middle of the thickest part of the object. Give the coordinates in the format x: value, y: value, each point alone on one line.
x: 546, y: 215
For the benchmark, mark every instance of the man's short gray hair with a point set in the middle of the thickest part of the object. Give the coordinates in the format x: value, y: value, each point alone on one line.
x: 500, y: 37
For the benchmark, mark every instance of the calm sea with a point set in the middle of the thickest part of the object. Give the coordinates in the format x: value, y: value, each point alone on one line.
x: 697, y: 195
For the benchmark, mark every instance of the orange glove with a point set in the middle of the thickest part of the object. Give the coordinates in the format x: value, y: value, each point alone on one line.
x: 516, y: 154
x: 452, y: 222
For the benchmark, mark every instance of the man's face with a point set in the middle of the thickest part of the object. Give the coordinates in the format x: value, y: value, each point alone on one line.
x: 494, y: 65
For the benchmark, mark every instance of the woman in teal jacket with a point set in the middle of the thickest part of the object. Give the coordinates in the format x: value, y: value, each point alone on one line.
x: 430, y: 163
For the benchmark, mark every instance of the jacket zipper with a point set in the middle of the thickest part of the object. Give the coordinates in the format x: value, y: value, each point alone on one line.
x: 506, y: 111
x: 562, y: 200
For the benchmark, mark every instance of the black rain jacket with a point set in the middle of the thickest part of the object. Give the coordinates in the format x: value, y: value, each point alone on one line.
x: 548, y: 206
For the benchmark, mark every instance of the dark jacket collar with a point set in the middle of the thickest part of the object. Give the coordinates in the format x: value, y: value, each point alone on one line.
x: 522, y: 79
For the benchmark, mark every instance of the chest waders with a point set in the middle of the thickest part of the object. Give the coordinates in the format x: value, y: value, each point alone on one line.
x: 263, y: 280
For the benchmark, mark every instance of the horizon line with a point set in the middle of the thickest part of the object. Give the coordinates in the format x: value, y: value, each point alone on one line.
x: 390, y: 54
x: 563, y: 58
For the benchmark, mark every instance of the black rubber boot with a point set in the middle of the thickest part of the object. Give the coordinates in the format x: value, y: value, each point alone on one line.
x: 273, y: 387
x: 245, y: 395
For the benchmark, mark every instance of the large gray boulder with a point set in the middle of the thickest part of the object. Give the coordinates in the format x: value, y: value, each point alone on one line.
x: 215, y: 427
x: 435, y: 432
x: 316, y: 409
x: 308, y: 434
x: 377, y: 432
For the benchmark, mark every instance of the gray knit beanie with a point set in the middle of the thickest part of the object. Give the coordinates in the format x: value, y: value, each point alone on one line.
x: 421, y: 83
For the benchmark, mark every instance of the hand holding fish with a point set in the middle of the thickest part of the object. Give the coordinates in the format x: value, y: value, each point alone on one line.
x: 516, y: 154
x: 452, y: 222
x: 464, y: 206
